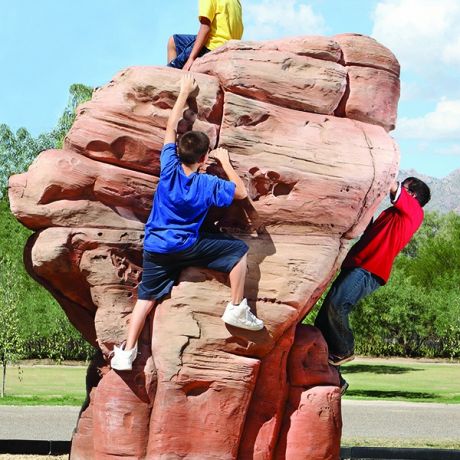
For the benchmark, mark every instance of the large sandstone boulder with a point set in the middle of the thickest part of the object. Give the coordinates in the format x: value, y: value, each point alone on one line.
x: 306, y: 122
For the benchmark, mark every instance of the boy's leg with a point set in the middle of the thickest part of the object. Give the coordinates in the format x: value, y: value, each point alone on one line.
x: 158, y: 277
x: 237, y: 312
x: 226, y: 254
x: 138, y: 316
x: 124, y: 356
x: 183, y: 45
x: 347, y: 290
x: 237, y: 279
x: 323, y: 321
x: 171, y: 50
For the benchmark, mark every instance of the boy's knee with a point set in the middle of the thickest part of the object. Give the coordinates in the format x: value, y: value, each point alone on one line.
x: 145, y: 305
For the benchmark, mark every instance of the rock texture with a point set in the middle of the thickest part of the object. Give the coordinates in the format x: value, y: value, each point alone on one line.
x: 306, y: 122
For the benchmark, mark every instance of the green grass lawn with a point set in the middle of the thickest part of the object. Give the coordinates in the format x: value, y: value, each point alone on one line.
x: 403, y: 381
x: 398, y: 380
x: 400, y: 443
x: 45, y: 385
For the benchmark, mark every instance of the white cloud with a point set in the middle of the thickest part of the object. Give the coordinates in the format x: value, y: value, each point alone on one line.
x: 270, y: 19
x: 421, y: 33
x: 442, y: 124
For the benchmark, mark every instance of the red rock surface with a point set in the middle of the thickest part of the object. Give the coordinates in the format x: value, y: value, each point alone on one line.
x: 310, y: 142
x: 312, y: 421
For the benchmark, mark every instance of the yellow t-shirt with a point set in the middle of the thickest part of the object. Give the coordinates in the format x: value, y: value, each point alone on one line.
x: 226, y: 20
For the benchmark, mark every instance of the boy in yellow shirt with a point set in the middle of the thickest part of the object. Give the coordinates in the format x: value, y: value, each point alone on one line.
x: 220, y: 21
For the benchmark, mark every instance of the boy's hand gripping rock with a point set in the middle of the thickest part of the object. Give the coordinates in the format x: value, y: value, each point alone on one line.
x: 221, y: 155
x: 188, y: 84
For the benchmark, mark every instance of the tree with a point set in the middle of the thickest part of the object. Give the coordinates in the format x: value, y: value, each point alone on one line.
x: 78, y: 94
x: 437, y: 263
x: 432, y: 223
x: 11, y: 343
x: 44, y: 330
x: 18, y: 150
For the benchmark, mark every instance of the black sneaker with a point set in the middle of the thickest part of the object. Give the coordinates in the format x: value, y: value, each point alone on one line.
x: 339, y: 360
x: 343, y: 385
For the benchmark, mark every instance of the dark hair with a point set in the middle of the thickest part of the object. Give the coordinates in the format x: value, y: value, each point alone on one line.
x: 192, y: 146
x: 419, y: 188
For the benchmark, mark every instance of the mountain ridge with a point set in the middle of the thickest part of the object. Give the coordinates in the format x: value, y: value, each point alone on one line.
x: 445, y: 192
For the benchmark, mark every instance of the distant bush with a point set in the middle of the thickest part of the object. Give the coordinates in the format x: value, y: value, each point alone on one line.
x: 62, y: 343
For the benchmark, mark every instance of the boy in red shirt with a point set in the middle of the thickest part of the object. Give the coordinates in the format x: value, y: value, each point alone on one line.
x: 368, y: 266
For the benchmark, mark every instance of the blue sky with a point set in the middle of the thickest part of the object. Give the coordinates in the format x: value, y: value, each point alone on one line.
x: 46, y: 45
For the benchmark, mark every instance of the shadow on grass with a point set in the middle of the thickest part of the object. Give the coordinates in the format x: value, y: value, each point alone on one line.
x: 377, y: 394
x: 373, y: 369
x: 41, y: 401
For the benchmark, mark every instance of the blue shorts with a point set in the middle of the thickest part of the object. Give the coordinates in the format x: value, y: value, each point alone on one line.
x: 184, y: 45
x: 212, y: 250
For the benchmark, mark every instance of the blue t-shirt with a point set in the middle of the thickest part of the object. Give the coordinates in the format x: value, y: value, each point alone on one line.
x: 181, y: 203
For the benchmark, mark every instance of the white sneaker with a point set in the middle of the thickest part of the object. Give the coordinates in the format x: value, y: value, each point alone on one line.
x: 123, y: 359
x: 242, y: 317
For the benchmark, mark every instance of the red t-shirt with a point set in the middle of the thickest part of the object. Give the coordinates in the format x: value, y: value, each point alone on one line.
x: 386, y: 237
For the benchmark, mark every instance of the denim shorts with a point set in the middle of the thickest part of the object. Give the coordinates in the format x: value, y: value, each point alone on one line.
x: 212, y: 250
x: 184, y: 45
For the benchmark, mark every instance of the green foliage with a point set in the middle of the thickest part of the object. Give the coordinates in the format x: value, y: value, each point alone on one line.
x: 431, y: 225
x: 61, y: 342
x: 40, y: 325
x: 44, y: 330
x: 18, y: 150
x: 78, y: 94
x: 417, y: 313
x: 396, y: 320
x: 11, y: 341
x: 437, y: 263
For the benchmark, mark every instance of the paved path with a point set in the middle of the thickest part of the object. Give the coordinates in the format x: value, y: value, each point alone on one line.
x: 38, y: 422
x: 361, y: 419
x: 400, y: 420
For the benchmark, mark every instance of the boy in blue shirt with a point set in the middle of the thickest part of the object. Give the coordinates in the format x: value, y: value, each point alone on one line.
x: 172, y: 239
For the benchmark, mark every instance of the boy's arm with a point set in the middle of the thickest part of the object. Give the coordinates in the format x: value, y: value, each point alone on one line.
x: 394, y: 189
x: 221, y: 155
x: 201, y: 38
x: 187, y: 86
